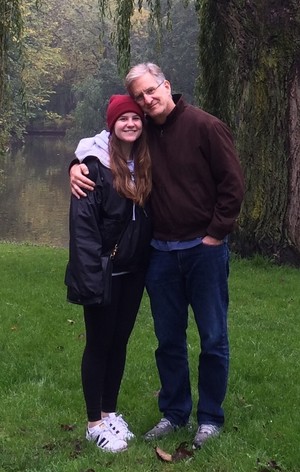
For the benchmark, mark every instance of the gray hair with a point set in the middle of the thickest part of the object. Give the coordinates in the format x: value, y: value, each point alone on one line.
x: 141, y: 69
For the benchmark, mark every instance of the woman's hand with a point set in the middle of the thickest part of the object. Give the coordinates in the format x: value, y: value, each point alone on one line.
x: 79, y: 181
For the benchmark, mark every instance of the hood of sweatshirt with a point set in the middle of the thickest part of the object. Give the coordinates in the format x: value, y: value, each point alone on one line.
x: 96, y: 146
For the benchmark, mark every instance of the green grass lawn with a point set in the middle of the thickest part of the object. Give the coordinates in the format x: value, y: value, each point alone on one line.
x: 42, y: 413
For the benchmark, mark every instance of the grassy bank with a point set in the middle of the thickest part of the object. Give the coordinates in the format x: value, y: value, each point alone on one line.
x: 42, y: 417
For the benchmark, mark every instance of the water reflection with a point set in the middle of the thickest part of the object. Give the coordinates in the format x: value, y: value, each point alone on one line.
x: 34, y: 192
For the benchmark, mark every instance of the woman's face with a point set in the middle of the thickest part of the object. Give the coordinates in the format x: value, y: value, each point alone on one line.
x: 128, y: 127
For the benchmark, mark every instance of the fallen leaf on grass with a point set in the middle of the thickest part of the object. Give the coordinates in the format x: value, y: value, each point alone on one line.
x: 162, y: 455
x: 49, y: 446
x: 77, y: 449
x: 68, y: 427
x: 181, y: 453
x: 271, y: 465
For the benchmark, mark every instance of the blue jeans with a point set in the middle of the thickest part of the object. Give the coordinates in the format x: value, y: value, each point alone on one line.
x: 176, y: 279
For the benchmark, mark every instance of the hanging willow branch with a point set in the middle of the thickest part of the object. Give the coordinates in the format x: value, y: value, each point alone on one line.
x: 124, y: 13
x: 122, y: 17
x: 10, y: 33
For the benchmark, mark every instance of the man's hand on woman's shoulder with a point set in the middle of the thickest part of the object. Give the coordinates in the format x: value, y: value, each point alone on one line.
x: 79, y: 181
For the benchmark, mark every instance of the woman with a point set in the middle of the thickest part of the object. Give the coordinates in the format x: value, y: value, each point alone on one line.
x: 115, y: 212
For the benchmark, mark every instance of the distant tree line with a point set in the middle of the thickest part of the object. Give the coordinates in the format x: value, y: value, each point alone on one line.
x: 63, y: 68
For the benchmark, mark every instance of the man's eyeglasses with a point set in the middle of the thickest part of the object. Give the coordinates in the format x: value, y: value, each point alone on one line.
x: 150, y: 91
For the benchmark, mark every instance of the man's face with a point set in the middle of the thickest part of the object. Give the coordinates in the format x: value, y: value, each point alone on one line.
x: 154, y: 98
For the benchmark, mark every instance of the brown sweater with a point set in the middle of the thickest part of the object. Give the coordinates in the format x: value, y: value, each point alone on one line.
x: 198, y: 183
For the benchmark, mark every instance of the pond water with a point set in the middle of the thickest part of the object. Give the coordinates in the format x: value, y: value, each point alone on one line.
x: 34, y: 192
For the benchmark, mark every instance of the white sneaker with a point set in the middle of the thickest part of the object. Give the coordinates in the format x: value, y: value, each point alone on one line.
x: 105, y: 438
x: 118, y: 426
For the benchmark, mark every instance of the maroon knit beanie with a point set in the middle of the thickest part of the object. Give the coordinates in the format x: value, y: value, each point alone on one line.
x: 119, y: 104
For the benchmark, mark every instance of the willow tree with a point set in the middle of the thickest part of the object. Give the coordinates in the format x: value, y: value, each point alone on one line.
x: 249, y: 54
x: 10, y: 29
x: 10, y: 32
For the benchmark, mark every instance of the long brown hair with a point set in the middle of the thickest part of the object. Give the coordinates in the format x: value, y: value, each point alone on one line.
x: 138, y: 189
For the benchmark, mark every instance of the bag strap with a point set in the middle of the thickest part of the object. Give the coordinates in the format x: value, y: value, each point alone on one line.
x: 116, y: 246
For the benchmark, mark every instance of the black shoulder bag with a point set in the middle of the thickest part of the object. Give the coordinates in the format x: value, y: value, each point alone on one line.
x: 107, y: 266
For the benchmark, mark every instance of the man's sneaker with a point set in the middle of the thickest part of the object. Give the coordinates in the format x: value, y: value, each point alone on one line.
x: 105, y: 438
x: 205, y: 432
x: 162, y: 428
x: 118, y: 426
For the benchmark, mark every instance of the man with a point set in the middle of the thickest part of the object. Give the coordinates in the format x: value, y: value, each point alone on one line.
x: 196, y: 197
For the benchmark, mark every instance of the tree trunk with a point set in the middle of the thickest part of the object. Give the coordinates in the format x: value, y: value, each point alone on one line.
x: 261, y: 68
x: 293, y: 213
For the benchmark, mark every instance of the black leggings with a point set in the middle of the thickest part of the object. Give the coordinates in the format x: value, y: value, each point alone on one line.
x: 107, y: 333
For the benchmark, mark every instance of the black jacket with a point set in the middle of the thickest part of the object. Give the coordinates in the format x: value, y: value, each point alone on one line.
x: 96, y: 223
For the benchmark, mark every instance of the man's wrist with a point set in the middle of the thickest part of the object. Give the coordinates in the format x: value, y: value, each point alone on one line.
x: 72, y: 163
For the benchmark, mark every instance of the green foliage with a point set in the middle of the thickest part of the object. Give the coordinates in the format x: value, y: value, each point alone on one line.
x: 91, y: 94
x: 124, y: 11
x: 63, y: 53
x: 92, y: 98
x: 176, y: 50
x: 159, y: 16
x: 44, y: 59
x: 53, y: 122
x: 57, y: 49
x: 41, y: 343
x: 10, y: 32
